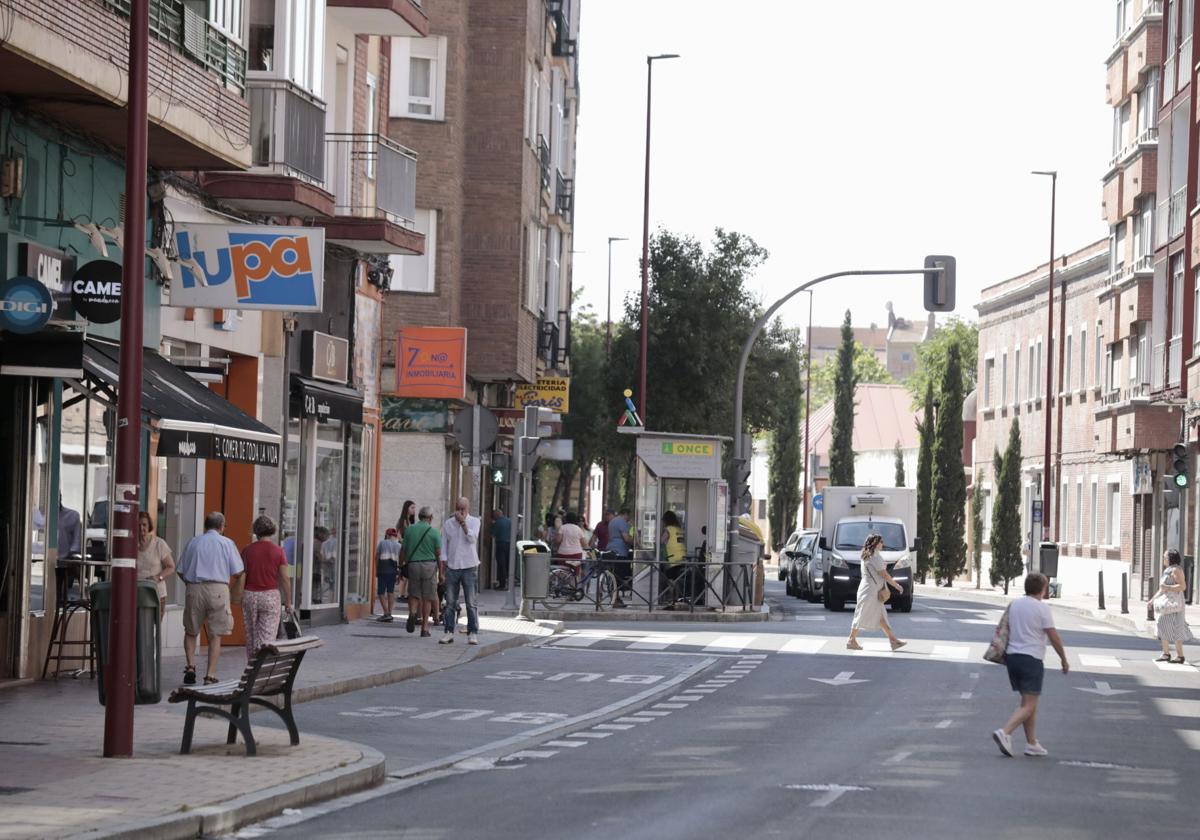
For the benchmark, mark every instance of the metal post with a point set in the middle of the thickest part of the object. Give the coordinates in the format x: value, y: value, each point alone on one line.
x: 289, y: 326
x: 807, y: 412
x: 122, y: 667
x: 1101, y: 589
x: 1124, y: 593
x: 1049, y: 363
x: 515, y: 481
x: 1060, y: 532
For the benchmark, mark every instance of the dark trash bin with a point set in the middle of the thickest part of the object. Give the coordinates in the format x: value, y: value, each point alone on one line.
x: 147, y: 639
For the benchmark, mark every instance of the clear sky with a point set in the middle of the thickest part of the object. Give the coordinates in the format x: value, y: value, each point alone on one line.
x: 842, y: 138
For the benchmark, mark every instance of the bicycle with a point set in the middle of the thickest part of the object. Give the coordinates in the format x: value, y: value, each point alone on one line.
x: 598, y: 584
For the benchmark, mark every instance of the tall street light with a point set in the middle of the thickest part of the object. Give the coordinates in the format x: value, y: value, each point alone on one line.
x: 1053, y: 176
x: 650, y: 59
x: 608, y: 310
x: 807, y: 409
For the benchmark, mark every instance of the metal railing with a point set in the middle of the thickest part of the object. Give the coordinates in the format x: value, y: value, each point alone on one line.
x: 1168, y: 78
x: 1178, y: 213
x: 548, y: 343
x: 287, y: 129
x: 543, y: 153
x: 1149, y: 137
x: 373, y: 177
x: 1112, y: 397
x: 564, y: 203
x: 175, y: 23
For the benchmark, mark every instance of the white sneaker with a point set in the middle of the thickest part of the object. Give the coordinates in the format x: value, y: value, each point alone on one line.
x: 447, y: 639
x: 1003, y: 741
x: 472, y: 639
x: 1036, y: 749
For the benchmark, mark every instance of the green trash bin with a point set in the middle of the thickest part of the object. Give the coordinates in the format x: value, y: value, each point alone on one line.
x: 147, y: 639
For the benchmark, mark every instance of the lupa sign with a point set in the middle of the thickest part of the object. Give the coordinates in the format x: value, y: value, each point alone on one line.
x: 243, y: 267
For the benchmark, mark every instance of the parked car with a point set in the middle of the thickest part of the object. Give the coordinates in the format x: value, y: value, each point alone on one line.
x: 785, y: 559
x: 797, y: 550
x: 808, y: 568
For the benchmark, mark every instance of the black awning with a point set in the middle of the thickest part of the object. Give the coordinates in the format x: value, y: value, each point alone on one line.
x: 325, y: 401
x: 193, y: 422
x: 46, y: 354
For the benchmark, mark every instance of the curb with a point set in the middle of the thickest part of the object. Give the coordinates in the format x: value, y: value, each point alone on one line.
x: 367, y: 772
x: 560, y: 616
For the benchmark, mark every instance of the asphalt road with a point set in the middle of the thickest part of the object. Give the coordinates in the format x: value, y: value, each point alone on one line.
x: 761, y: 730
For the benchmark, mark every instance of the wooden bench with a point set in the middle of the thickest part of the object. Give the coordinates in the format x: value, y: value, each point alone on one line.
x: 270, y: 674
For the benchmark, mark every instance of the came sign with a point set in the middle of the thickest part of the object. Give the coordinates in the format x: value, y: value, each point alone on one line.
x: 53, y: 268
x: 243, y: 267
x: 96, y: 291
x: 431, y: 362
x: 553, y: 393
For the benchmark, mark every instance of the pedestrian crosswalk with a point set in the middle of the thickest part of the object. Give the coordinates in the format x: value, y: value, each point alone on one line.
x: 747, y: 645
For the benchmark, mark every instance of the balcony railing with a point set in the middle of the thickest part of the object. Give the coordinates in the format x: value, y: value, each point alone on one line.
x: 1185, y: 63
x: 177, y: 24
x: 543, y: 152
x: 1112, y: 397
x: 1169, y: 78
x: 548, y: 343
x: 560, y: 16
x: 372, y: 177
x: 287, y: 129
x: 564, y: 203
x: 1177, y: 213
x: 1149, y: 137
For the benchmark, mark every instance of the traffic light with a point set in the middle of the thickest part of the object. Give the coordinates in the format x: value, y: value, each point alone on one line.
x: 939, y: 285
x: 1179, y: 465
x: 741, y: 486
x: 499, y: 468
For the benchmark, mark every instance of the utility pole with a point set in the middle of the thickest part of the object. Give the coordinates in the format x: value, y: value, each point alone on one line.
x: 807, y: 410
x: 1053, y: 176
x: 121, y: 666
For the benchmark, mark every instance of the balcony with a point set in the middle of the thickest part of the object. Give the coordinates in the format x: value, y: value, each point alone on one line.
x: 564, y: 197
x: 1148, y: 139
x: 543, y: 153
x: 287, y: 134
x: 1135, y: 423
x: 374, y: 184
x: 392, y: 18
x: 68, y: 61
x: 549, y: 349
x: 563, y: 45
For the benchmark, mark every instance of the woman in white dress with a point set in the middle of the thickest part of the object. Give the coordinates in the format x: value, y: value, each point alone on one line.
x: 1172, y: 625
x: 869, y: 611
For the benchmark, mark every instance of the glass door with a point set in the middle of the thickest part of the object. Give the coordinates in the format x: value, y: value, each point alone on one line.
x: 328, y: 505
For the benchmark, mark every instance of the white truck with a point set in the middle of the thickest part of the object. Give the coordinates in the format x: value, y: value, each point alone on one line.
x: 848, y: 515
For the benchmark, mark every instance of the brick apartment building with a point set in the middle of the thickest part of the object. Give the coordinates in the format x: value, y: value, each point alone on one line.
x: 894, y: 345
x: 489, y: 101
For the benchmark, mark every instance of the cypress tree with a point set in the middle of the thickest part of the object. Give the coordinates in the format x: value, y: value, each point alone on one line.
x: 841, y: 448
x: 1006, y: 516
x: 925, y: 485
x: 900, y: 477
x: 950, y: 500
x: 977, y: 529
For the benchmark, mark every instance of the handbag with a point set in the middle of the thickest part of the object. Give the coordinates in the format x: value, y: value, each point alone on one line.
x: 998, y: 650
x: 884, y: 594
x: 1150, y: 611
x: 291, y: 626
x: 1167, y: 603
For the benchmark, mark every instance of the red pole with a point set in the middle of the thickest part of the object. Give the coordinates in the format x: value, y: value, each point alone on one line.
x: 807, y: 409
x: 645, y: 256
x: 121, y: 667
x: 1049, y: 366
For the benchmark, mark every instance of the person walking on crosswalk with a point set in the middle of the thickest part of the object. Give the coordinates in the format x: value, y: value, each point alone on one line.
x: 869, y: 611
x: 1170, y: 610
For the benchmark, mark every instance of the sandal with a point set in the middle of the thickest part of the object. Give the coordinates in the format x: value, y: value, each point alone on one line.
x: 896, y: 645
x: 1166, y: 657
x: 1179, y: 661
x: 854, y: 646
x: 210, y: 680
x: 189, y: 675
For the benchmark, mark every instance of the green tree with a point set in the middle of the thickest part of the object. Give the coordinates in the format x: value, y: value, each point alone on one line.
x: 899, y: 465
x: 588, y: 424
x: 783, y: 480
x: 977, y: 528
x: 934, y: 355
x: 841, y: 447
x: 925, y: 485
x: 950, y: 501
x: 1006, y: 513
x: 867, y: 370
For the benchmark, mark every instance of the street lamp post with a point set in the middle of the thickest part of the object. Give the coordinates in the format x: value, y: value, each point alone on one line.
x: 650, y: 59
x: 608, y: 309
x: 1053, y: 176
x: 804, y: 515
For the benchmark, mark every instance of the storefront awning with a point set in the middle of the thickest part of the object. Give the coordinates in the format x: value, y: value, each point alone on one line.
x: 193, y: 422
x: 45, y: 354
x: 325, y: 401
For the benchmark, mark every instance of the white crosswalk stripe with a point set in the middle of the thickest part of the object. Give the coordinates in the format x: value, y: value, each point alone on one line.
x: 952, y: 651
x: 729, y: 643
x: 657, y: 641
x: 1093, y: 661
x: 803, y: 645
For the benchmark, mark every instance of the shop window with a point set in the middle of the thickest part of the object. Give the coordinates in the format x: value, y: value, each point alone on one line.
x: 328, y: 507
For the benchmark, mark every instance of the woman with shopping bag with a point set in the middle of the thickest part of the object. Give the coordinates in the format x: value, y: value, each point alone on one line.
x: 1169, y: 609
x: 873, y: 593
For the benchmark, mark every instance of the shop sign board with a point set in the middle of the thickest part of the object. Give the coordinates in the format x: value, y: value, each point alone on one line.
x: 96, y: 291
x: 552, y: 392
x: 53, y: 268
x: 25, y: 305
x: 248, y: 267
x: 402, y: 414
x: 324, y: 356
x: 431, y: 362
x: 697, y: 458
x: 1143, y: 476
x: 508, y: 418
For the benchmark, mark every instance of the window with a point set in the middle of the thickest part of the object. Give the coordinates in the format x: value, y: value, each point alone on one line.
x: 1175, y: 357
x: 1039, y: 367
x: 987, y: 514
x: 532, y: 92
x: 305, y: 48
x: 1064, y: 498
x: 1083, y: 348
x: 1003, y: 377
x: 1112, y: 513
x: 418, y: 83
x: 261, y: 52
x: 1079, y: 511
x: 1120, y: 137
x: 989, y: 371
x: 1147, y: 116
x: 1094, y: 512
x: 1143, y: 230
x: 1116, y: 249
x: 1099, y: 354
x: 226, y: 15
x: 1124, y: 16
x: 418, y: 273
x: 1032, y: 373
x: 1016, y: 375
x: 533, y: 269
x: 1066, y: 384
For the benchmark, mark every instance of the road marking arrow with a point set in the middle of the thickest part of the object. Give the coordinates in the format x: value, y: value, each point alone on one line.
x: 1104, y: 689
x: 841, y: 679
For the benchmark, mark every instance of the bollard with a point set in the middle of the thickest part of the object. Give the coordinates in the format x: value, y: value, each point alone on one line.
x: 1101, y: 573
x: 1124, y: 593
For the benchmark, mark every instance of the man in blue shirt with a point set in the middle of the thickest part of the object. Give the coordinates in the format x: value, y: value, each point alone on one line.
x: 501, y: 545
x: 207, y: 564
x: 619, y: 543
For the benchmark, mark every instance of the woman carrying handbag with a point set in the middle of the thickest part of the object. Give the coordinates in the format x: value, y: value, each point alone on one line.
x: 873, y: 593
x: 1170, y: 611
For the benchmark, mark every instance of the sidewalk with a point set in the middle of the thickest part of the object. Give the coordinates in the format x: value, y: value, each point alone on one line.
x: 57, y: 785
x: 1084, y: 605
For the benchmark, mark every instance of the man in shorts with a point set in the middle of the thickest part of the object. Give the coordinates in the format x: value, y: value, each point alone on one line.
x: 207, y: 564
x: 387, y: 567
x: 422, y: 553
x: 1030, y: 625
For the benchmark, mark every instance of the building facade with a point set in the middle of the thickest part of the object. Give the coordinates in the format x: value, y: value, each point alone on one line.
x: 894, y: 346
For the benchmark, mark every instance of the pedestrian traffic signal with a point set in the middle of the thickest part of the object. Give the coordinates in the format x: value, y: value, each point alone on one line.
x: 500, y: 468
x: 741, y: 486
x: 939, y: 284
x: 1179, y: 464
